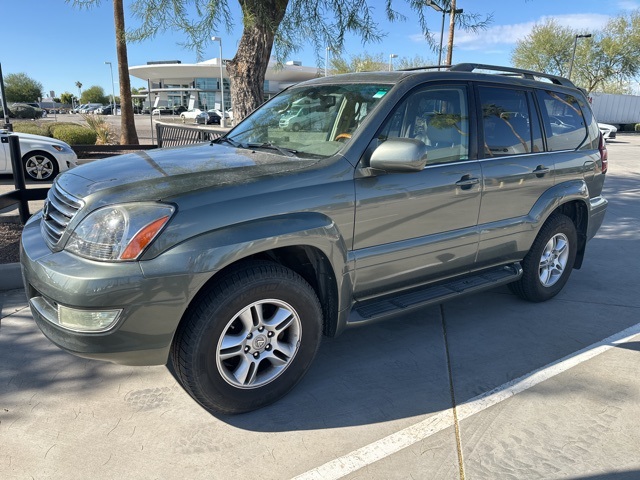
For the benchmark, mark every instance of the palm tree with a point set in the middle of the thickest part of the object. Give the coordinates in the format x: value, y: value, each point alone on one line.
x: 128, y: 135
x: 79, y: 85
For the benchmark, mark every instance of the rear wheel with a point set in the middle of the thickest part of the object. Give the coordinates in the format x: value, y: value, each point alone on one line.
x: 249, y: 339
x: 547, y: 266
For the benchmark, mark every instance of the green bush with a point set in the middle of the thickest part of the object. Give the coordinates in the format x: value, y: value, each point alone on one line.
x: 20, y: 110
x: 33, y: 128
x: 74, y: 134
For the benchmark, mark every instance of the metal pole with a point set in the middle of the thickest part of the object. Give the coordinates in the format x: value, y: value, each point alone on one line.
x: 391, y: 57
x: 18, y: 176
x: 573, y: 55
x: 150, y: 109
x: 441, y: 38
x: 224, y: 111
x: 113, y: 89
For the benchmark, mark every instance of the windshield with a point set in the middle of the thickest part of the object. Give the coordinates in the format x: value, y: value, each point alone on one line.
x: 311, y: 121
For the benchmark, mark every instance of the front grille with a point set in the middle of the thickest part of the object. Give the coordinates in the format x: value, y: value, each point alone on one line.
x: 59, y: 208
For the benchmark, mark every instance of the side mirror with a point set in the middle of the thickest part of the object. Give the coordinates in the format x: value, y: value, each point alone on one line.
x: 398, y: 155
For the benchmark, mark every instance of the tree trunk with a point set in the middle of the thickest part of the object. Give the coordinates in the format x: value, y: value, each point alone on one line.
x: 452, y: 26
x: 248, y: 68
x: 128, y: 135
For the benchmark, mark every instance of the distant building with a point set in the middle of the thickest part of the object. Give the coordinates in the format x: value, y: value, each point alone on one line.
x: 198, y: 85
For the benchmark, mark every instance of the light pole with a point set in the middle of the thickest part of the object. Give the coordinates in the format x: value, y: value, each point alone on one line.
x: 391, y: 57
x: 573, y: 55
x: 326, y: 61
x: 438, y: 8
x: 113, y: 89
x: 224, y: 112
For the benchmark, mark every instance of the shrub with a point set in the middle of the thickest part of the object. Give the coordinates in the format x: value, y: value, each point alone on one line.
x: 74, y: 134
x: 20, y: 110
x: 33, y: 128
x: 102, y: 129
x: 637, y: 127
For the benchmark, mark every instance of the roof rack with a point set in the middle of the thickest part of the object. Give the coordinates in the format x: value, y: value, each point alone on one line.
x: 506, y: 71
x: 529, y: 74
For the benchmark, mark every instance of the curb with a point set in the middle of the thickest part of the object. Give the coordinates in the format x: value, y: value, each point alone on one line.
x: 10, y: 277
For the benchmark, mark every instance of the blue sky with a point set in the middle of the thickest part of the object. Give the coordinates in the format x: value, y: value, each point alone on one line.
x: 57, y: 44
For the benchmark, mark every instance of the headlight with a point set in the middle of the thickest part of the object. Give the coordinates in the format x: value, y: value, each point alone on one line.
x: 119, y: 232
x: 59, y: 148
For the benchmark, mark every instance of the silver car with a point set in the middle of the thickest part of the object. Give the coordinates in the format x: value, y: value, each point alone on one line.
x: 231, y: 259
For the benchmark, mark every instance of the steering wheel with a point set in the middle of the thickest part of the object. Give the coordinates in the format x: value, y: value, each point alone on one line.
x: 342, y: 136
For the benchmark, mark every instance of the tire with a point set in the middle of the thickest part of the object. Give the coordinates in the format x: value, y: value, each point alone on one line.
x: 295, y: 127
x: 547, y: 266
x: 40, y: 166
x: 249, y: 339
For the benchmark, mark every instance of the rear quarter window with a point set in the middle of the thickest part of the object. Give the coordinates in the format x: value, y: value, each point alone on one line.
x: 564, y: 120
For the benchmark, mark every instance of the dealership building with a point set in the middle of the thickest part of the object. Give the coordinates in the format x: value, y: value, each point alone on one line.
x: 197, y: 85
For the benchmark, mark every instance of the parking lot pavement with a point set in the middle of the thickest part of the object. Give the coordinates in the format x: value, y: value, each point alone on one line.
x: 487, y: 387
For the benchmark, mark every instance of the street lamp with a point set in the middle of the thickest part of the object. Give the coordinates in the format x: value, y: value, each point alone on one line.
x: 573, y: 55
x: 391, y: 57
x: 113, y: 89
x: 224, y: 112
x: 326, y: 61
x: 438, y: 8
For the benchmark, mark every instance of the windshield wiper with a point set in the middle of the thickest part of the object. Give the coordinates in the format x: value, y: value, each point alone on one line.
x: 289, y: 152
x: 230, y: 141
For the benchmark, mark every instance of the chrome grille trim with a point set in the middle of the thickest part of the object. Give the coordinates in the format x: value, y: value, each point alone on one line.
x: 60, y: 208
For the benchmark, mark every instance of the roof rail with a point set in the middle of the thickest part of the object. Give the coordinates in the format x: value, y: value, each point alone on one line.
x: 529, y: 74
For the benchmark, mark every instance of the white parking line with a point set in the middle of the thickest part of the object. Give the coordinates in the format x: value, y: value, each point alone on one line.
x: 395, y: 442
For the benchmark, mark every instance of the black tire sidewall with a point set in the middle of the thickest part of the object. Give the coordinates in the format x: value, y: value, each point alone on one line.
x: 210, y: 388
x: 532, y: 288
x: 29, y: 155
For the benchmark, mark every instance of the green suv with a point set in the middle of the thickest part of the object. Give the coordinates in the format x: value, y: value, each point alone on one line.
x: 231, y: 259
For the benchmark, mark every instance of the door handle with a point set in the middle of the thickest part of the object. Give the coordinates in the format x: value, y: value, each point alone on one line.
x: 467, y: 181
x: 541, y: 171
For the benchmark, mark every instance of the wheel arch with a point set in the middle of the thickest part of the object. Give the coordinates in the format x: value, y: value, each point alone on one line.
x: 570, y: 198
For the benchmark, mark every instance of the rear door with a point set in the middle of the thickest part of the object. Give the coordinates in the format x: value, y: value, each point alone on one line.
x: 421, y: 226
x: 516, y: 170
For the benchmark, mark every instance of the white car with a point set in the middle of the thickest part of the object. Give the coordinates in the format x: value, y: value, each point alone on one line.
x: 190, y: 114
x: 43, y: 157
x: 608, y: 131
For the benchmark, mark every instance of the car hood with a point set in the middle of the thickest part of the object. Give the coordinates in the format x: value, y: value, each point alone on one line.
x: 39, y: 139
x: 168, y: 172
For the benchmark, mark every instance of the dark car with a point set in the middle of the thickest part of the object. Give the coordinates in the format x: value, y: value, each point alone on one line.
x: 178, y: 109
x: 209, y: 117
x: 108, y: 110
x: 232, y: 258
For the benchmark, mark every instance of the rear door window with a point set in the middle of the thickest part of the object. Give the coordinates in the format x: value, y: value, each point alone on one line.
x: 507, y: 122
x: 564, y: 122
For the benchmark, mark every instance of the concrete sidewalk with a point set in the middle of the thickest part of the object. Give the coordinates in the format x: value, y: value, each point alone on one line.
x: 488, y: 387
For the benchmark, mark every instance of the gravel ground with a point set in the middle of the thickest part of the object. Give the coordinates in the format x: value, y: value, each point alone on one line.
x: 10, y: 242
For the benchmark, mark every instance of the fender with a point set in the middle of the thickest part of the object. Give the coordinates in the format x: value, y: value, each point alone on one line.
x: 211, y: 252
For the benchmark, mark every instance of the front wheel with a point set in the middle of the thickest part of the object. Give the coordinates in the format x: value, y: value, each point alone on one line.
x: 249, y: 339
x: 40, y: 166
x: 547, y: 266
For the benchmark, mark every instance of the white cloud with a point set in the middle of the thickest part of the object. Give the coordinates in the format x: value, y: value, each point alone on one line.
x: 628, y: 5
x: 499, y: 37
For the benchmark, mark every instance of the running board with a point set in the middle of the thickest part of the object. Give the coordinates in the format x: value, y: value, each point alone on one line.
x: 379, y: 309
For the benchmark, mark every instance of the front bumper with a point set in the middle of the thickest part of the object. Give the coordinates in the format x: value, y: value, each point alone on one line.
x: 151, y: 306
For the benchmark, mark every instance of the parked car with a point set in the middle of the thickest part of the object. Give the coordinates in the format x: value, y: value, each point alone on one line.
x: 190, y: 114
x: 609, y: 132
x: 162, y: 111
x: 210, y: 117
x: 42, y: 157
x: 178, y: 109
x: 108, y: 110
x: 89, y: 108
x: 232, y: 258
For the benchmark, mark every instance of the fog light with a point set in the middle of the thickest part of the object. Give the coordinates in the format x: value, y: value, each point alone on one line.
x: 87, y: 320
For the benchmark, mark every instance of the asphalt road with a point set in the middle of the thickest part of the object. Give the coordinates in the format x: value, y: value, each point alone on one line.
x: 486, y: 387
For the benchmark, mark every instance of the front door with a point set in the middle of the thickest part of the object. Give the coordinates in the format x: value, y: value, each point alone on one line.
x: 416, y: 227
